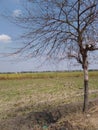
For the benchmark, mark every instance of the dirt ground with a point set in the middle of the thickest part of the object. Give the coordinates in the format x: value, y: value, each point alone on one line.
x: 67, y: 117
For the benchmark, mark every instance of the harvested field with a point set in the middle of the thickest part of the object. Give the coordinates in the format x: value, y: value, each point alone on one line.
x: 54, y: 99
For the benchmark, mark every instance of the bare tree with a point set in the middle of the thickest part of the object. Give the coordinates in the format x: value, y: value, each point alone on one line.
x: 61, y: 28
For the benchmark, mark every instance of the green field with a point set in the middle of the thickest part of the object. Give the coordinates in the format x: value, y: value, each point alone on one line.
x: 21, y: 94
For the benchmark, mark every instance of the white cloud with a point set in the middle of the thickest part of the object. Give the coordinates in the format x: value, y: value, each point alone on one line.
x: 17, y: 12
x: 5, y: 38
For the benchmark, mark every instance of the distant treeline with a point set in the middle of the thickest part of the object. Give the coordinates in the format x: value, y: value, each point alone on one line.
x: 46, y: 71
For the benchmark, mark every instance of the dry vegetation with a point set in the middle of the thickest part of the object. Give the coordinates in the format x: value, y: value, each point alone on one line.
x: 46, y: 101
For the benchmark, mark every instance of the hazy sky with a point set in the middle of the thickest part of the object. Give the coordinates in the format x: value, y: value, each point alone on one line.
x: 8, y: 35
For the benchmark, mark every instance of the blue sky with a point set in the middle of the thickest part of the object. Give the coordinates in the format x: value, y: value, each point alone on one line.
x: 8, y: 33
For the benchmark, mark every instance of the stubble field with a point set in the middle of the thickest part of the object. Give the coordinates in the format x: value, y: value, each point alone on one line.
x: 22, y: 94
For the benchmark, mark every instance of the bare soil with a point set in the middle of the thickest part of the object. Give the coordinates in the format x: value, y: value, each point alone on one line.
x: 65, y: 117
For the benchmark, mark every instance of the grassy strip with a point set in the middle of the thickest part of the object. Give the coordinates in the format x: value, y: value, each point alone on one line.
x: 45, y: 75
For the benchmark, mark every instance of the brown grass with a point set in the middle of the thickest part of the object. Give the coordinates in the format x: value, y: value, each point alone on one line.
x: 21, y: 99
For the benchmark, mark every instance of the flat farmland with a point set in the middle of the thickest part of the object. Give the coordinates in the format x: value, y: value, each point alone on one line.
x: 23, y: 93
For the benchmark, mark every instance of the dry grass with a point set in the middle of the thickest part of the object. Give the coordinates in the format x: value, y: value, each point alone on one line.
x: 48, y: 92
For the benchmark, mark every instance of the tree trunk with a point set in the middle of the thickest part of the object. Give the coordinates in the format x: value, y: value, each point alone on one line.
x: 86, y: 90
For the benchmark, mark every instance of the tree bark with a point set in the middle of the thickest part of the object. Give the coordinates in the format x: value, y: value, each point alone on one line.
x: 86, y: 89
